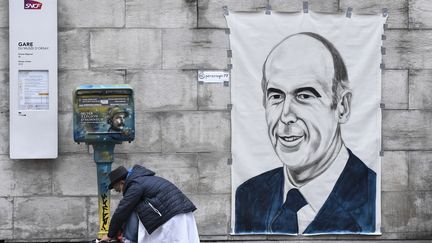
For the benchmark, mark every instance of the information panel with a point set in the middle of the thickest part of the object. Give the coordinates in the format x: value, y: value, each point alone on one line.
x: 33, y: 79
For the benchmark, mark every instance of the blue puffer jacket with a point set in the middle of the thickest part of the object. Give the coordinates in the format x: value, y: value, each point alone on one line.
x: 154, y: 199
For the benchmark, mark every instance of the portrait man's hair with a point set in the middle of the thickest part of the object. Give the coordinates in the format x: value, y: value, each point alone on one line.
x: 340, y: 78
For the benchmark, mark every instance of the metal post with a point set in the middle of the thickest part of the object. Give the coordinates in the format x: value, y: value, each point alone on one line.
x: 103, y: 156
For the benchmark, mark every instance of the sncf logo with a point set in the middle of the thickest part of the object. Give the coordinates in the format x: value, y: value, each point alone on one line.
x: 34, y: 5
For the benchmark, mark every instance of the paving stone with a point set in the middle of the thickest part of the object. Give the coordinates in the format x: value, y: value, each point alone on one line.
x: 394, y: 171
x: 195, y: 49
x: 420, y: 170
x: 161, y: 13
x: 211, y: 14
x: 73, y: 49
x: 91, y: 13
x: 397, y: 9
x: 164, y: 89
x: 125, y: 48
x: 214, y: 173
x: 195, y: 131
x: 50, y: 217
x: 419, y: 89
x: 395, y: 89
x: 408, y: 49
x: 407, y: 130
x: 212, y: 214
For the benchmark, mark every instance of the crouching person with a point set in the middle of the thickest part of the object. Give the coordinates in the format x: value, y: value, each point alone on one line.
x: 152, y: 209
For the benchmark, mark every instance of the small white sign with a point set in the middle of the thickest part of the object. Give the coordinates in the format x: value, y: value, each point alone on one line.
x: 213, y: 76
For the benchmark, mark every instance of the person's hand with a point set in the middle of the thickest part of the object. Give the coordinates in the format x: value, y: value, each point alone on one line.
x: 105, y: 238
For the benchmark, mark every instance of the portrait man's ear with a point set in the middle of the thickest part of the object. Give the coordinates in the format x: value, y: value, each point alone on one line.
x: 343, y: 108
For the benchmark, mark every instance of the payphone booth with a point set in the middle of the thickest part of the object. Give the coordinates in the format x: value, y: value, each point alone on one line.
x: 103, y: 117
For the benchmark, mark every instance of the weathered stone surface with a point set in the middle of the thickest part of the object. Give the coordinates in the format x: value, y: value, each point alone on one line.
x: 164, y: 89
x: 407, y: 129
x: 407, y: 211
x: 4, y: 49
x: 148, y: 137
x: 75, y: 175
x: 419, y: 13
x: 70, y: 79
x: 398, y: 10
x: 125, y: 48
x: 194, y: 48
x: 212, y: 214
x: 420, y: 86
x: 161, y: 13
x: 329, y: 6
x: 66, y: 140
x: 93, y: 212
x: 195, y: 131
x: 211, y: 12
x: 91, y: 13
x: 6, y: 234
x: 4, y: 14
x: 73, y: 49
x: 50, y: 217
x: 395, y: 89
x: 408, y: 49
x: 420, y: 164
x: 213, y: 96
x: 6, y: 175
x: 394, y: 171
x: 214, y: 173
x: 32, y: 177
x: 4, y: 133
x: 4, y: 91
x: 6, y: 204
x: 180, y: 169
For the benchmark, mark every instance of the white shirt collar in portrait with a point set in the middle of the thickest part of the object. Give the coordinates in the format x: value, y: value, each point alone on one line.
x: 317, y: 191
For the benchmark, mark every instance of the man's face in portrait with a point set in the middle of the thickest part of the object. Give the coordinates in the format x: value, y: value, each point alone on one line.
x: 117, y: 121
x: 302, y: 123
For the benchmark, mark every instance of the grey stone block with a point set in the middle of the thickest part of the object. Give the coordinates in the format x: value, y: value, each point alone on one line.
x: 4, y: 14
x: 73, y: 49
x: 407, y: 130
x: 148, y: 136
x: 213, y: 96
x: 50, y: 217
x: 408, y: 49
x: 164, y: 89
x: 6, y: 234
x: 7, y: 175
x: 328, y: 6
x: 4, y: 133
x: 66, y: 140
x: 32, y: 177
x: 93, y: 212
x: 194, y: 48
x: 212, y: 214
x: 420, y: 86
x: 75, y: 175
x: 125, y: 48
x: 91, y: 13
x: 4, y: 49
x: 6, y: 204
x: 70, y: 79
x: 211, y: 12
x: 394, y: 171
x: 4, y: 91
x: 395, y: 89
x: 398, y: 10
x: 214, y: 173
x: 180, y: 169
x: 419, y: 13
x: 161, y: 13
x: 195, y: 131
x: 420, y: 164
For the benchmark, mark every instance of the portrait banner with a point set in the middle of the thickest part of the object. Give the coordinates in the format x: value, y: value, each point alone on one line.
x: 306, y: 123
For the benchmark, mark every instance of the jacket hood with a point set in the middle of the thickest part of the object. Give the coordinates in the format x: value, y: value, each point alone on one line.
x: 139, y: 170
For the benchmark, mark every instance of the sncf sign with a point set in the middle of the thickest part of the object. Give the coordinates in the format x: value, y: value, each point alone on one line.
x: 33, y: 5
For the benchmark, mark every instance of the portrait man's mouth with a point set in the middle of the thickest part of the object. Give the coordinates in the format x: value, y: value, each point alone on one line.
x: 290, y: 141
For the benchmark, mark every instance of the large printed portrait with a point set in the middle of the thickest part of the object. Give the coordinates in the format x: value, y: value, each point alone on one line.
x: 306, y: 123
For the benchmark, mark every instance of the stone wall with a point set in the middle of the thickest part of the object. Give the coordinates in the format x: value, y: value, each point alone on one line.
x: 183, y: 128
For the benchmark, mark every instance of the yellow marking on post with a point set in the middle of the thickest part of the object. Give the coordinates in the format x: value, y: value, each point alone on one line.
x: 104, y: 214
